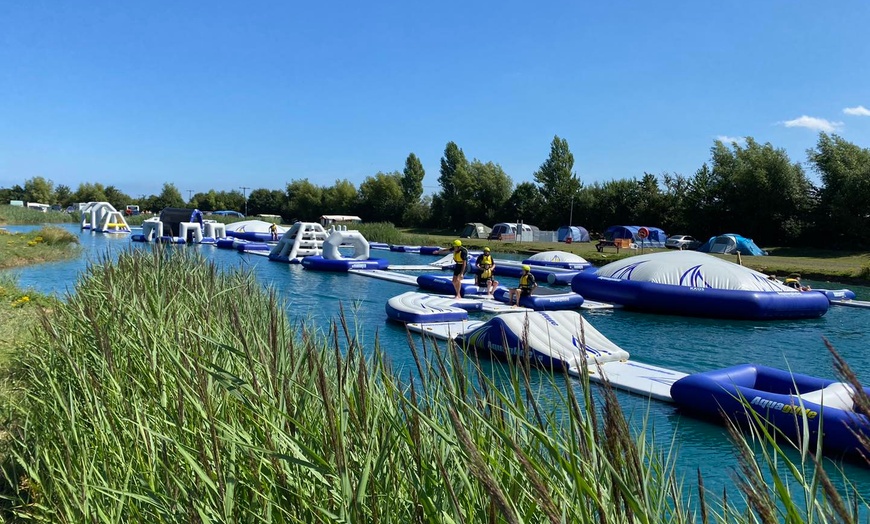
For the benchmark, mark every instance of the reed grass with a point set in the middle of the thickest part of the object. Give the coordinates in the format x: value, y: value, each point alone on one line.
x: 24, y: 215
x: 184, y: 402
x: 195, y: 399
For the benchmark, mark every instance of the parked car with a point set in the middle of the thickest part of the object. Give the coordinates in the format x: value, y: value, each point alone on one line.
x: 228, y: 213
x: 682, y: 242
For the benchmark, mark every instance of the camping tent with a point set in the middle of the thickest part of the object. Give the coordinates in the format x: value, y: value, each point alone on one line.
x: 656, y: 236
x: 577, y: 234
x: 730, y: 244
x: 475, y: 230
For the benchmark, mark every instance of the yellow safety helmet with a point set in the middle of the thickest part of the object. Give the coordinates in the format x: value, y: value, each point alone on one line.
x: 526, y: 268
x: 457, y: 242
x: 486, y: 250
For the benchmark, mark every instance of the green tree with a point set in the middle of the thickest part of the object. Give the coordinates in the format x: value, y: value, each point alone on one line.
x: 381, y: 197
x: 765, y: 196
x: 340, y: 199
x: 491, y: 188
x: 558, y: 184
x: 38, y: 189
x: 412, y: 179
x: 63, y: 195
x: 90, y: 192
x: 169, y: 196
x: 451, y: 206
x: 117, y: 198
x: 525, y: 204
x: 305, y: 200
x: 844, y: 198
x: 267, y: 201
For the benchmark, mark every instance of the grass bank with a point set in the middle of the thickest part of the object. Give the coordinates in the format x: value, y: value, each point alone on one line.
x: 182, y: 403
x: 46, y: 244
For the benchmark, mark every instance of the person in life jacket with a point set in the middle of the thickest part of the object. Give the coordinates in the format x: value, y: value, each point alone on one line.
x: 794, y: 281
x: 527, y: 284
x: 274, y: 230
x: 460, y: 264
x: 485, y: 267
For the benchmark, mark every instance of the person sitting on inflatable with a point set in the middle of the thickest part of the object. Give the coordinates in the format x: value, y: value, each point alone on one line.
x: 794, y: 281
x: 485, y: 266
x: 527, y: 284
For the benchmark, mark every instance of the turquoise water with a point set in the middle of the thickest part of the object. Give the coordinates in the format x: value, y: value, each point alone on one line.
x: 685, y: 344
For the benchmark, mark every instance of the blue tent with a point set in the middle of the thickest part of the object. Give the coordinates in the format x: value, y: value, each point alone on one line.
x: 730, y: 244
x: 656, y: 236
x: 577, y: 234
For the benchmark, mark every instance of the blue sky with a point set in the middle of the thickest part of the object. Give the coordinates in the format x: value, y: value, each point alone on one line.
x: 227, y: 94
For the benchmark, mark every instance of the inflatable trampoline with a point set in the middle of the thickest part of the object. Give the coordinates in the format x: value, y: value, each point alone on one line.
x: 786, y: 400
x: 554, y: 339
x: 560, y: 259
x: 696, y: 284
x: 422, y: 308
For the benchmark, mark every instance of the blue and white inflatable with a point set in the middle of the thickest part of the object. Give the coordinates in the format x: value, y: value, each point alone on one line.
x: 786, y: 400
x: 423, y: 308
x: 444, y: 284
x: 543, y: 302
x: 333, y: 260
x: 560, y: 259
x: 696, y: 284
x: 553, y: 339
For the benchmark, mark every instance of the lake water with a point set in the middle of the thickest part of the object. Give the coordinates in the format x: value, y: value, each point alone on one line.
x: 685, y: 344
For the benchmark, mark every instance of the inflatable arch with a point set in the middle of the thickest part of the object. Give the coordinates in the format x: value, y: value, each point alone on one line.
x: 103, y: 217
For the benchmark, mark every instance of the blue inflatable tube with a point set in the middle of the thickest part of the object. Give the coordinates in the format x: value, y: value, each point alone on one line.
x: 318, y: 263
x: 171, y: 240
x: 405, y: 249
x: 139, y: 237
x: 697, y: 301
x: 379, y: 245
x: 225, y: 243
x: 443, y: 284
x: 770, y: 392
x: 253, y: 246
x: 551, y: 302
x: 837, y: 294
x: 251, y: 236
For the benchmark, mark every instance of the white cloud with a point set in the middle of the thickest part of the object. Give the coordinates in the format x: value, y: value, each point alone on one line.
x: 811, y: 122
x: 725, y: 139
x: 857, y: 111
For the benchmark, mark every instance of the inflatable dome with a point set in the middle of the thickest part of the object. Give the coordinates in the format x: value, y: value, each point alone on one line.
x: 695, y: 284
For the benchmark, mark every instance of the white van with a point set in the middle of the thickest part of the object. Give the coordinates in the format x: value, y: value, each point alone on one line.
x: 508, y: 231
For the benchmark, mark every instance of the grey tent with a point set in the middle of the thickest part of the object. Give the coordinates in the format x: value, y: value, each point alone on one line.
x: 475, y: 230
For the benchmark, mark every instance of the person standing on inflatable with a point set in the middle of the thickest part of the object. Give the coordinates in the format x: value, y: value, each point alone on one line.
x: 485, y: 267
x: 527, y: 284
x: 274, y: 230
x: 460, y: 263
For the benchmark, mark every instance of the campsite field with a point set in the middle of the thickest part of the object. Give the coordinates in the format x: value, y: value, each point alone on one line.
x: 814, y: 264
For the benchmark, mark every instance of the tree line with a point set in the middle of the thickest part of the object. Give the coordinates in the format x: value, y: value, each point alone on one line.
x: 752, y: 189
